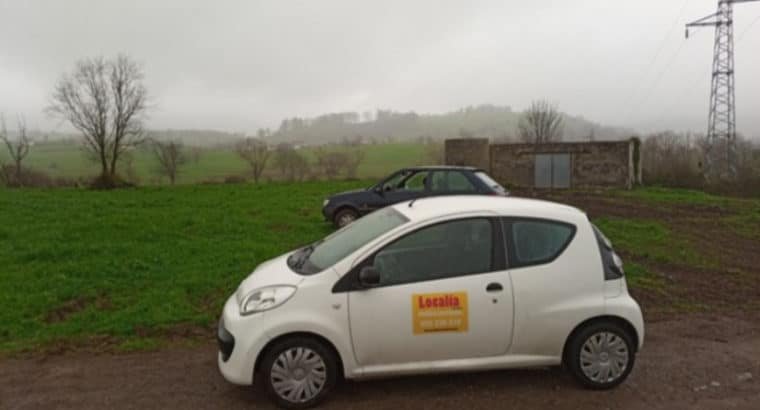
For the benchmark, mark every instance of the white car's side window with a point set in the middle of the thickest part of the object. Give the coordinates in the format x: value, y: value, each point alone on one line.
x: 537, y: 241
x: 444, y: 250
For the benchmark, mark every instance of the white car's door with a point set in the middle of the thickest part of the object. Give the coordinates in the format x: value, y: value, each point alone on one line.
x: 444, y: 293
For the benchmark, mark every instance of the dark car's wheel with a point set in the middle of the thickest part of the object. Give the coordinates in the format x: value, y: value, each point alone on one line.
x: 344, y: 217
x: 601, y: 355
x: 299, y: 372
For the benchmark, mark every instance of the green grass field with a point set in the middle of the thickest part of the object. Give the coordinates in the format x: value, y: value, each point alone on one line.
x: 77, y: 263
x: 60, y: 159
x: 127, y: 267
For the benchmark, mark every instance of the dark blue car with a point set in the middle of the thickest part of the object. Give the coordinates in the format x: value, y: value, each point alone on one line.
x: 407, y: 184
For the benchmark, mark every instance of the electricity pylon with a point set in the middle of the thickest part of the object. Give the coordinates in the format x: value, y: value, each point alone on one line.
x: 721, y: 128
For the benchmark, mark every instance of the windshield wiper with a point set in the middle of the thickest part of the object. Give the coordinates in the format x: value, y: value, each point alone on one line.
x: 306, y: 252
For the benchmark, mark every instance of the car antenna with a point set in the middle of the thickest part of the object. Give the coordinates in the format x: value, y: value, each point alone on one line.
x: 412, y: 202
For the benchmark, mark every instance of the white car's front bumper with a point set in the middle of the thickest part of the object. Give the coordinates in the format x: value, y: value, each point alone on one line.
x: 248, y: 339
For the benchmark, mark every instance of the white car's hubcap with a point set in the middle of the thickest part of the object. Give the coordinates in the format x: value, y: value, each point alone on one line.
x: 604, y: 357
x: 298, y: 374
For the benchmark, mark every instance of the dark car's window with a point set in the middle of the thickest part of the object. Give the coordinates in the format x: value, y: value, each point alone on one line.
x: 444, y: 181
x: 444, y: 250
x: 535, y: 242
x: 438, y: 181
x: 393, y: 182
x: 416, y: 182
x: 490, y: 181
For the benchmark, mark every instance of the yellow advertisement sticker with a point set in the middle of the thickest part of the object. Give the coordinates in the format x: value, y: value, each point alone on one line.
x: 439, y: 312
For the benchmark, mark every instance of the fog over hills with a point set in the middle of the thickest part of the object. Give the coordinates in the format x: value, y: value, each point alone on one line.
x: 240, y: 65
x: 483, y: 121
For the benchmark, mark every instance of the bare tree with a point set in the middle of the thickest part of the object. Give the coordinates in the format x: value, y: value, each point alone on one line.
x: 127, y: 166
x: 18, y: 150
x: 170, y: 156
x: 292, y: 165
x: 354, y: 158
x: 671, y: 159
x: 330, y: 162
x: 195, y: 152
x: 106, y: 101
x: 541, y: 123
x: 592, y: 134
x: 256, y: 153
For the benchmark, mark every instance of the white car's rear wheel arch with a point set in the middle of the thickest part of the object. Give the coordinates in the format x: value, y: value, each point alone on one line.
x: 617, y: 320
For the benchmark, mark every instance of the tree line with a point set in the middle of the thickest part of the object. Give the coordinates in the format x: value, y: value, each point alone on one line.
x: 107, y: 102
x: 483, y: 121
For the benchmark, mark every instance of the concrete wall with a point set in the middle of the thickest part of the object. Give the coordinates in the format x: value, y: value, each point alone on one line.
x: 593, y: 164
x: 473, y: 152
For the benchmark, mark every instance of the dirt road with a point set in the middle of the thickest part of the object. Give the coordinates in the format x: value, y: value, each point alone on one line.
x: 695, y: 361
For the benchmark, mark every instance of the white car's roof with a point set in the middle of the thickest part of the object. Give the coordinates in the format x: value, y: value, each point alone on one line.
x: 434, y: 207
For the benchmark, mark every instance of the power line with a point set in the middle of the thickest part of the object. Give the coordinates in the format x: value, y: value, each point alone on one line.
x: 635, y: 107
x: 694, y: 77
x: 660, y: 47
x: 746, y: 30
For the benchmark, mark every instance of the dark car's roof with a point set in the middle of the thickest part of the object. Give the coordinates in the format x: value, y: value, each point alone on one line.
x: 442, y: 168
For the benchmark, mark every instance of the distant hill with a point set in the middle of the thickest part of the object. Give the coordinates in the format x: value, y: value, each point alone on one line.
x: 490, y: 121
x: 198, y: 138
x: 483, y: 121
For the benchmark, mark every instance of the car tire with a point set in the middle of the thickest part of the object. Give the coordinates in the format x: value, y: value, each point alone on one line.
x: 344, y: 217
x: 299, y: 372
x: 601, y: 355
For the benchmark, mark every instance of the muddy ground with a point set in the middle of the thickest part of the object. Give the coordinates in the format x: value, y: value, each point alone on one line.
x: 697, y: 361
x: 702, y: 352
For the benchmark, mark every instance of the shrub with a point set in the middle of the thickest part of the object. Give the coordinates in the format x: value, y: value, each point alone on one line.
x: 676, y: 160
x: 234, y: 179
x: 31, y: 178
x: 671, y: 159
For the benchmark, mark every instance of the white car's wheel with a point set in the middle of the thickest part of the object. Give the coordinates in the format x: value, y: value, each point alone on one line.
x: 299, y: 372
x: 601, y: 355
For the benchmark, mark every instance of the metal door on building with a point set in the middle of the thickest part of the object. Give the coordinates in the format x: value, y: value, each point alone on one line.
x: 552, y: 171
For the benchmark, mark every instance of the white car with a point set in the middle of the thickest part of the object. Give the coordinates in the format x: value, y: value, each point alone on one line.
x: 435, y: 285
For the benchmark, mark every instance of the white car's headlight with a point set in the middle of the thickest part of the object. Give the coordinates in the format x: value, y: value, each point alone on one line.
x: 325, y: 202
x: 259, y: 300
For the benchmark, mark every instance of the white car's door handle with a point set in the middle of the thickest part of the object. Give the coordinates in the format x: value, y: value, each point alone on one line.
x: 494, y: 287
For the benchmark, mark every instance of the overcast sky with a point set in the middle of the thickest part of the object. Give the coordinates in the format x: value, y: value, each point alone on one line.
x: 239, y: 65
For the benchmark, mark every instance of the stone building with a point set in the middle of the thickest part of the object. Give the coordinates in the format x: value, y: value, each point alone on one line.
x: 611, y: 164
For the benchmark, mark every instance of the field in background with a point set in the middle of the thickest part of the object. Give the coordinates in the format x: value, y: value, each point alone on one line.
x: 66, y: 159
x: 135, y: 268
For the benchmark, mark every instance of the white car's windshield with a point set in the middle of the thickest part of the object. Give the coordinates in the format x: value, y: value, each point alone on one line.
x: 343, y: 242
